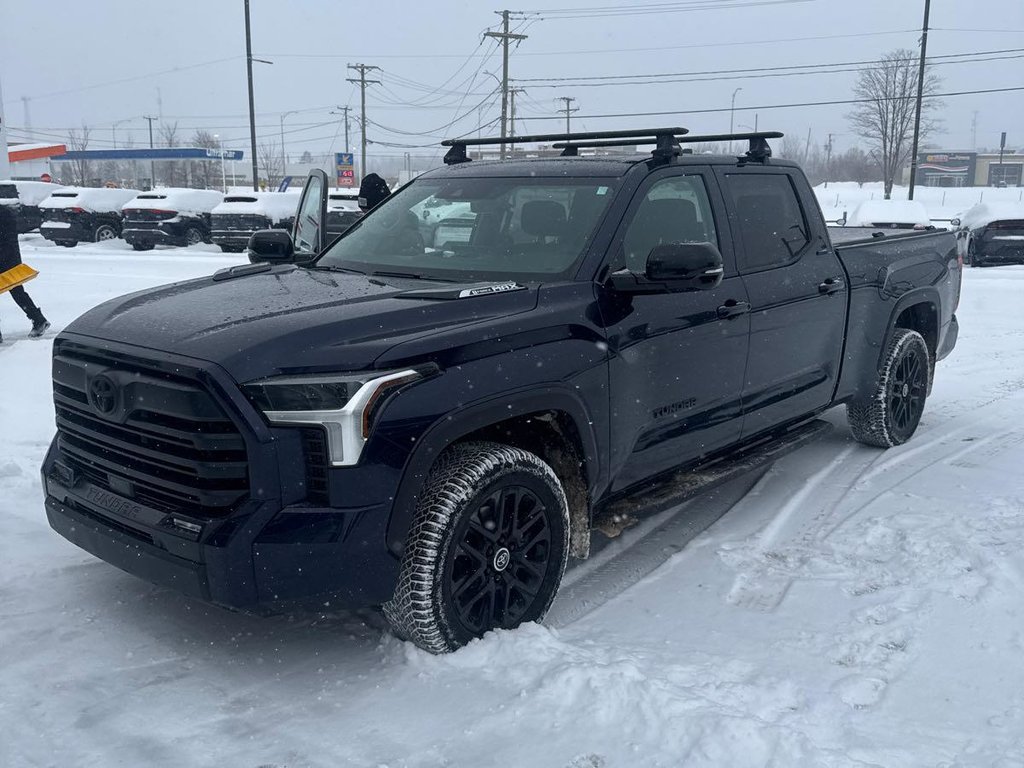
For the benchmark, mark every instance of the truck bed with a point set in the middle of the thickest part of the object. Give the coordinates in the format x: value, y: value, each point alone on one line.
x: 847, y: 236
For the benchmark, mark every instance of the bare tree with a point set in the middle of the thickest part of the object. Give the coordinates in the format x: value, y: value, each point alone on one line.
x: 885, y: 117
x: 78, y: 141
x: 269, y: 160
x: 175, y: 175
x: 206, y: 173
x: 854, y: 165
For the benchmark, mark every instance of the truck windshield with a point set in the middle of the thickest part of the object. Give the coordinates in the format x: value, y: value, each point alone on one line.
x: 480, y: 228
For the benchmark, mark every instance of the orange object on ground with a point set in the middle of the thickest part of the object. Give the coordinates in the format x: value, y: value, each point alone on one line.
x: 16, y: 276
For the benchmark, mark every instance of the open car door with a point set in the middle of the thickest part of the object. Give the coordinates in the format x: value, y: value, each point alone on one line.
x: 309, y: 233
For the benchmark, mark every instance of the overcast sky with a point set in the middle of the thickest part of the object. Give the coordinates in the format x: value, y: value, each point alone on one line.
x: 103, y: 62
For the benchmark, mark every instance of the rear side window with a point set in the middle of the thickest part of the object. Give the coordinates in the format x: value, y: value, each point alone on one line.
x: 771, y: 224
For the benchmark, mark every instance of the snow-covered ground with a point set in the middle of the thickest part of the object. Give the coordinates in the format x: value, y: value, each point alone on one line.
x: 853, y: 607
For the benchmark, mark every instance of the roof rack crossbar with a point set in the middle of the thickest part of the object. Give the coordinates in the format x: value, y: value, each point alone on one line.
x: 685, y: 139
x: 566, y: 137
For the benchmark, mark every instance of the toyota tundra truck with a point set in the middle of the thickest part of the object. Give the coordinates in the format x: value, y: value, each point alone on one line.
x: 432, y: 412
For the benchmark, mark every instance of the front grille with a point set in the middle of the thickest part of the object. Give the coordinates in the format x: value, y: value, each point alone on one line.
x: 167, y: 443
x: 314, y: 449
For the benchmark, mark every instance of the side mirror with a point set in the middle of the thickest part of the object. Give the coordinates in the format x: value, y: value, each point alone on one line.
x: 955, y: 222
x: 273, y: 246
x: 673, y: 267
x: 685, y: 266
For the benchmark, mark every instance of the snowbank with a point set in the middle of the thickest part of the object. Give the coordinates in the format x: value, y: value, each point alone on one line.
x: 97, y: 200
x: 175, y: 199
x: 872, y: 213
x: 984, y: 214
x: 276, y: 206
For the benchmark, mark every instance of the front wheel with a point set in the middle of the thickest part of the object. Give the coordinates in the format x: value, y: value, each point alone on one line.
x: 891, y: 415
x: 487, y: 547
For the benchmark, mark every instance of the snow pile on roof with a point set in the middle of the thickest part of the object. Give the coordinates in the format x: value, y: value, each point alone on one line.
x: 872, y: 213
x: 34, y: 192
x: 176, y: 199
x: 91, y: 199
x: 274, y: 205
x: 984, y: 214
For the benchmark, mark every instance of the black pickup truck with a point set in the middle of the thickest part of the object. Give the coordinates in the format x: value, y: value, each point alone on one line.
x: 431, y: 414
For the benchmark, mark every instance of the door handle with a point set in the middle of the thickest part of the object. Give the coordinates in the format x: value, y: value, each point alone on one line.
x: 831, y: 285
x: 733, y: 308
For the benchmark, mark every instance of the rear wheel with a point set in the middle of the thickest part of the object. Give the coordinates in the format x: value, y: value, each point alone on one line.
x: 104, y: 232
x: 487, y: 548
x: 142, y: 246
x: 891, y: 415
x: 193, y: 236
x: 67, y: 243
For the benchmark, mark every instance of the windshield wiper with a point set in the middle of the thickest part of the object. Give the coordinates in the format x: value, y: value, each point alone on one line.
x: 409, y: 276
x: 333, y: 268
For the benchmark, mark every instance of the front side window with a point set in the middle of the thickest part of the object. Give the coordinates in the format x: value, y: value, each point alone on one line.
x: 771, y: 224
x: 477, y: 228
x: 674, y: 210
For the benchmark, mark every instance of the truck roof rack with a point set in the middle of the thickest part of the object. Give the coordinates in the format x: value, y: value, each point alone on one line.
x: 757, y: 151
x: 666, y: 139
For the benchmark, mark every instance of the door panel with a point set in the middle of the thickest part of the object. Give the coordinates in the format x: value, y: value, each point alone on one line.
x: 798, y: 295
x: 308, y: 231
x: 675, y: 365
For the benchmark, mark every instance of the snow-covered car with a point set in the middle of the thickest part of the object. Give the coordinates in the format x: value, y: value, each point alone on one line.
x: 342, y: 211
x: 890, y: 214
x: 169, y: 216
x: 31, y: 194
x: 242, y: 213
x: 83, y: 214
x: 991, y: 233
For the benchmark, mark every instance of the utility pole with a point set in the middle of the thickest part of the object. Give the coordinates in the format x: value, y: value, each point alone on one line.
x: 505, y: 36
x: 28, y: 119
x: 345, y: 111
x: 362, y: 69
x: 568, y: 111
x: 974, y: 131
x: 5, y: 166
x: 284, y: 157
x: 152, y: 165
x: 512, y: 114
x: 920, y: 97
x: 252, y: 101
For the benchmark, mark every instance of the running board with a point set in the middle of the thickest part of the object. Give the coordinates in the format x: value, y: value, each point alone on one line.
x: 675, y: 488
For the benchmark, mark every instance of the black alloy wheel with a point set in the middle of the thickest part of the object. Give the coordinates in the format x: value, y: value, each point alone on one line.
x: 104, y: 232
x: 500, y: 561
x: 193, y: 236
x: 487, y: 548
x: 909, y: 385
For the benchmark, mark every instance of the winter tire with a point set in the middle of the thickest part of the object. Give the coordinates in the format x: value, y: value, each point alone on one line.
x: 104, y: 232
x: 487, y: 547
x: 891, y: 415
x: 142, y: 246
x: 67, y: 243
x: 231, y: 249
x: 193, y: 236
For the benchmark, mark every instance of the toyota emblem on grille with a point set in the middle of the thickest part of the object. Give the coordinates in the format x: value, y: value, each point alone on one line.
x: 103, y: 394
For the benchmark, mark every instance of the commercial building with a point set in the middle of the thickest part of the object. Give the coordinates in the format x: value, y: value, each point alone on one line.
x: 957, y: 168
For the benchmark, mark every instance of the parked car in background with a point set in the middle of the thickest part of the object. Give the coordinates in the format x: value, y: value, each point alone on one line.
x: 889, y: 214
x: 31, y: 194
x: 72, y: 215
x: 233, y: 221
x: 342, y: 211
x: 992, y: 233
x: 169, y: 217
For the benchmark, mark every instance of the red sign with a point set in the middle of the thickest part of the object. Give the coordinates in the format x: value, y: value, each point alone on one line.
x: 46, y: 177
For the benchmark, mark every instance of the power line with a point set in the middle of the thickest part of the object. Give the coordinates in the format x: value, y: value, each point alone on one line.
x: 781, y: 106
x: 648, y: 10
x: 505, y: 37
x: 362, y: 69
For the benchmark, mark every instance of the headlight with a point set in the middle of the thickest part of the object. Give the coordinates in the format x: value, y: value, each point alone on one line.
x: 344, y: 405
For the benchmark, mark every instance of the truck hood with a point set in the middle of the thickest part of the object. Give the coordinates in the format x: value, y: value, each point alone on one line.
x: 288, y: 320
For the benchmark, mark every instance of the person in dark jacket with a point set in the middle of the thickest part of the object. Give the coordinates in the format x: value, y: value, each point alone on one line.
x: 10, y: 257
x: 372, y: 192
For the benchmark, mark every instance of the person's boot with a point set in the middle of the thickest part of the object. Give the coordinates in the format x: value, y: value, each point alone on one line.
x: 39, y: 323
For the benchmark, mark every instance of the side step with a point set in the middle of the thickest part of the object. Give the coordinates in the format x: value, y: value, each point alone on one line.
x: 674, y: 488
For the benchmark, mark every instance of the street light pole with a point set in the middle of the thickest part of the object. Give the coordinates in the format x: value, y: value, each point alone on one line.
x: 223, y: 174
x: 732, y: 113
x: 284, y: 157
